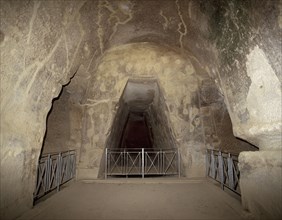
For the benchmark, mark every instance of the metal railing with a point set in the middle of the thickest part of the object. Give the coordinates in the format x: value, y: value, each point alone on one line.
x: 223, y: 167
x: 141, y: 161
x: 54, y: 169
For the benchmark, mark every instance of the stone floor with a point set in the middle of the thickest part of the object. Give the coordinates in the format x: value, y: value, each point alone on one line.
x: 140, y: 199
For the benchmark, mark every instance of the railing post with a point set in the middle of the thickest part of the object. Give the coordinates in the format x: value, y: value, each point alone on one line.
x: 212, y: 165
x: 159, y: 171
x: 143, y: 163
x: 127, y: 155
x: 221, y: 168
x: 124, y: 162
x: 73, y: 165
x: 178, y: 160
x: 230, y: 172
x: 59, y: 159
x: 68, y: 166
x: 44, y: 175
x: 207, y: 163
x: 106, y: 163
x: 48, y: 171
x: 163, y: 162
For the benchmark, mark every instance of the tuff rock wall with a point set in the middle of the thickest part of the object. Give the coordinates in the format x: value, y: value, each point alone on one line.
x: 236, y: 45
x: 247, y: 35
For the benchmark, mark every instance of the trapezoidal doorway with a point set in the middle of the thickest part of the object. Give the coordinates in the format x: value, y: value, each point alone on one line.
x: 141, y: 143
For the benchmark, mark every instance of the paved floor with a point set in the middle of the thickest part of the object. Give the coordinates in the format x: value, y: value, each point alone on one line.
x: 137, y: 199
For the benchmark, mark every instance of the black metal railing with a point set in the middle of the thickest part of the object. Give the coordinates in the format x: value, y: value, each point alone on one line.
x: 53, y: 170
x: 141, y: 161
x: 223, y: 167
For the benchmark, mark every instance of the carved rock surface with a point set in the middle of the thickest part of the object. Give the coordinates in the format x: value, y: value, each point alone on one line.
x: 210, y: 57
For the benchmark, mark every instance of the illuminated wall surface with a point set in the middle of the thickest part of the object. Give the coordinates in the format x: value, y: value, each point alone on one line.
x: 191, y: 74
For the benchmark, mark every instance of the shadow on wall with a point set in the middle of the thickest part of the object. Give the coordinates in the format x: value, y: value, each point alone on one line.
x: 58, y: 125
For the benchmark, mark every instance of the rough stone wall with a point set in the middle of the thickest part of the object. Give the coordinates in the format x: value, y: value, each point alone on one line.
x: 44, y: 43
x: 217, y: 126
x: 261, y: 177
x: 37, y: 54
x: 246, y: 36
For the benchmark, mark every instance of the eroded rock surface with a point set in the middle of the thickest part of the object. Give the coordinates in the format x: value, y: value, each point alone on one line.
x: 232, y: 45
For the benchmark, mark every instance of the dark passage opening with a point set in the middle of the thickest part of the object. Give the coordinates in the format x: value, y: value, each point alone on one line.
x: 136, y: 132
x: 140, y: 142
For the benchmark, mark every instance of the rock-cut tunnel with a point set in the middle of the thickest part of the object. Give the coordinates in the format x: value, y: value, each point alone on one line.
x: 140, y: 98
x: 140, y: 122
x: 190, y: 75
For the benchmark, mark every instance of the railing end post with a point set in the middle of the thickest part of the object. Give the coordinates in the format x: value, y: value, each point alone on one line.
x: 179, y: 163
x: 106, y: 163
x: 143, y: 170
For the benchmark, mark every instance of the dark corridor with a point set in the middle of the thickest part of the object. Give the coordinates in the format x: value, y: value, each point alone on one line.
x: 136, y: 132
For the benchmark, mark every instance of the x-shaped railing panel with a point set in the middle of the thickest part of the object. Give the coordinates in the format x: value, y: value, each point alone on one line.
x: 133, y: 163
x: 150, y: 163
x: 142, y: 162
x: 115, y: 158
x: 53, y: 171
x: 170, y: 158
x: 223, y: 167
